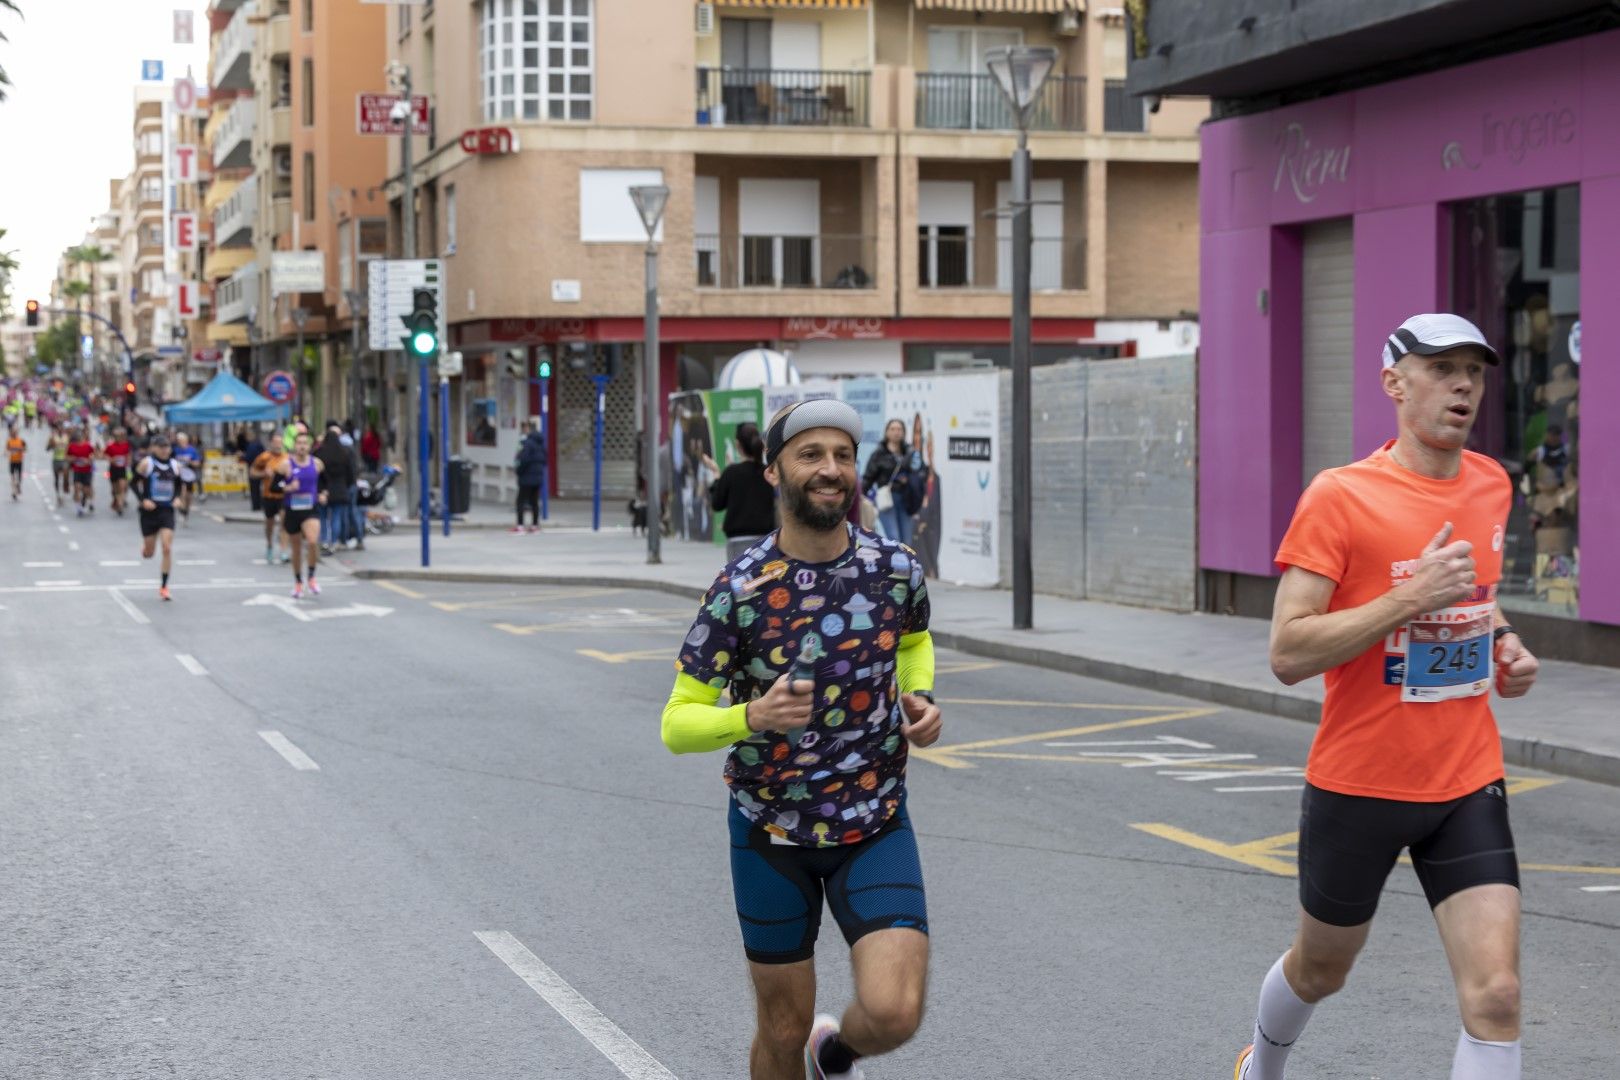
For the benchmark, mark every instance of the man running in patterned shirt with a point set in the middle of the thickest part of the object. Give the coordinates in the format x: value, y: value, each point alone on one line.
x: 1390, y: 570
x: 819, y: 634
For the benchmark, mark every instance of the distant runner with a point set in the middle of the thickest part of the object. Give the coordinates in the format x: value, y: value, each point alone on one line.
x: 1390, y: 571
x: 266, y: 472
x: 304, y: 488
x: 118, y: 452
x: 191, y: 460
x: 82, y: 462
x: 16, y: 448
x: 819, y: 635
x: 157, y: 483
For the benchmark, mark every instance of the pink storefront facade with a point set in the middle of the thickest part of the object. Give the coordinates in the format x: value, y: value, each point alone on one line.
x: 1400, y: 160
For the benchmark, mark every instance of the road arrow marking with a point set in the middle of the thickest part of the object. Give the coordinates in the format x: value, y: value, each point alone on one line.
x: 951, y: 757
x: 305, y: 613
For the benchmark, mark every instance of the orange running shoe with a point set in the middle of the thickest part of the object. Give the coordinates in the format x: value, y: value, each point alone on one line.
x: 163, y: 591
x: 1243, y: 1059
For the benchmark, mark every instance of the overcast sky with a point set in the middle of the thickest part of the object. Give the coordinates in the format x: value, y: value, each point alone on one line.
x: 66, y: 123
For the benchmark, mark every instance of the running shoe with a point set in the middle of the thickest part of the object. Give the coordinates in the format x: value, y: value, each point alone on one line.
x: 314, y: 587
x: 269, y: 556
x: 298, y: 591
x: 1242, y: 1062
x: 534, y: 528
x: 824, y: 1028
x: 163, y: 591
x: 517, y: 529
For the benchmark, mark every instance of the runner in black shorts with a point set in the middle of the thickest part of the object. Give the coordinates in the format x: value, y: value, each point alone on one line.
x: 157, y: 484
x: 303, y: 489
x: 819, y: 633
x: 1390, y: 569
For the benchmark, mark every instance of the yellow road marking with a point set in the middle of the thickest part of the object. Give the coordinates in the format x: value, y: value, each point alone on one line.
x: 623, y: 657
x: 1267, y: 853
x: 950, y: 757
x: 394, y: 586
x: 1054, y: 704
x: 957, y: 667
x: 1518, y: 785
x: 518, y: 630
x: 519, y: 601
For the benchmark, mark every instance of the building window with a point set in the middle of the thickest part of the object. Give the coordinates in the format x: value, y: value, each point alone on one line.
x: 309, y: 16
x: 307, y: 71
x: 450, y: 219
x: 151, y: 143
x: 153, y: 236
x: 309, y: 186
x: 537, y: 59
x: 1516, y: 274
x: 152, y: 189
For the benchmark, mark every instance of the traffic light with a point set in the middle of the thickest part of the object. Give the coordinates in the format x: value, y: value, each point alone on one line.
x: 32, y: 308
x: 422, y: 325
x: 543, y: 369
x: 129, y: 395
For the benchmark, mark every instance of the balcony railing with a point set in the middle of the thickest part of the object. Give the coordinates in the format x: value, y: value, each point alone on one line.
x: 952, y: 262
x: 233, y: 143
x: 748, y: 261
x: 233, y: 53
x: 1121, y: 111
x: 235, y: 218
x: 975, y: 103
x: 776, y: 96
x: 237, y: 295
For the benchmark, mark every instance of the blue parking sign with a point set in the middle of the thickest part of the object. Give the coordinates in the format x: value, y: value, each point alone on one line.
x: 151, y: 71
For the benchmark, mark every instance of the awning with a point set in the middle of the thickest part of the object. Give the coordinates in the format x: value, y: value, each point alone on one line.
x: 218, y: 191
x: 223, y: 262
x: 792, y: 3
x: 1005, y: 7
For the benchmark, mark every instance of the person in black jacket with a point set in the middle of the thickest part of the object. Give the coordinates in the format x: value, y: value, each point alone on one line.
x: 531, y: 473
x: 342, y: 468
x: 888, y: 480
x: 742, y: 491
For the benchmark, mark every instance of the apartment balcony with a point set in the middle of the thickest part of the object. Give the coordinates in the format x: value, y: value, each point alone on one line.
x: 232, y: 61
x: 955, y: 102
x: 279, y: 27
x: 236, y: 216
x: 777, y: 97
x: 281, y: 125
x: 280, y: 216
x: 1122, y: 111
x: 233, y: 142
x: 237, y: 295
x: 1056, y: 264
x: 737, y: 261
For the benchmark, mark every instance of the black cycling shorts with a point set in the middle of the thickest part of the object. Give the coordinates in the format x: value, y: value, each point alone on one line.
x: 16, y: 468
x: 293, y: 521
x: 160, y: 518
x: 873, y: 885
x: 272, y: 509
x: 1349, y: 843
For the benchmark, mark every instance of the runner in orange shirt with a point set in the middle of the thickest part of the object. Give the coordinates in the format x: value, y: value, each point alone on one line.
x: 1390, y: 570
x: 16, y: 448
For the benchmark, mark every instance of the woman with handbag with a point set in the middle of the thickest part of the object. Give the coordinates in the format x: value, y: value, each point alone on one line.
x: 887, y: 478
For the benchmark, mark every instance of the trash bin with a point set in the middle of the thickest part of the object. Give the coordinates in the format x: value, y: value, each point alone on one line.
x: 461, y: 472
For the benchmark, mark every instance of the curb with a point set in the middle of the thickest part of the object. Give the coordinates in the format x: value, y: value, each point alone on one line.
x: 1520, y: 750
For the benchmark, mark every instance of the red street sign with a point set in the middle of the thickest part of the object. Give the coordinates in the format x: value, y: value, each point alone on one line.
x: 372, y: 114
x: 279, y: 387
x: 490, y: 140
x: 207, y: 356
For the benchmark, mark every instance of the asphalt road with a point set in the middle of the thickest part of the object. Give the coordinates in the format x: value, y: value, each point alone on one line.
x: 186, y: 893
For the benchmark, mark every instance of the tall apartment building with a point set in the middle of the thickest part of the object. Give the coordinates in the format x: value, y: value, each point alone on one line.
x: 836, y: 168
x: 143, y: 228
x: 230, y: 271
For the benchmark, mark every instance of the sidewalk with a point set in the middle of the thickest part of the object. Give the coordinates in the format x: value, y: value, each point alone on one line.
x: 570, y: 514
x: 1566, y: 725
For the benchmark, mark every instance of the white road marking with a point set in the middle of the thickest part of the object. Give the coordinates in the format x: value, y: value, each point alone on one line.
x: 64, y: 581
x: 40, y: 565
x: 190, y: 663
x: 62, y: 528
x: 1265, y: 787
x: 623, y: 1051
x: 73, y: 545
x: 1201, y: 776
x: 195, y: 562
x: 235, y: 581
x: 295, y: 757
x: 341, y: 583
x: 310, y: 611
x: 1600, y: 888
x: 137, y: 581
x: 120, y: 562
x: 129, y: 606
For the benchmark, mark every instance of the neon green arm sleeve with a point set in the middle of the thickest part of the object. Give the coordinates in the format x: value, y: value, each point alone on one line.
x: 694, y: 724
x: 914, y: 661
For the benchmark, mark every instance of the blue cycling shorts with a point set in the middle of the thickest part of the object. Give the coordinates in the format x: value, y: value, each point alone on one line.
x: 873, y: 885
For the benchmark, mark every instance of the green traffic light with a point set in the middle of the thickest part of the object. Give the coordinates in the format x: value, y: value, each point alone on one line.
x: 545, y: 369
x: 422, y: 342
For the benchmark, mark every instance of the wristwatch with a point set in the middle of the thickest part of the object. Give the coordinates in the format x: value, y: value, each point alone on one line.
x: 1505, y: 628
x: 926, y: 695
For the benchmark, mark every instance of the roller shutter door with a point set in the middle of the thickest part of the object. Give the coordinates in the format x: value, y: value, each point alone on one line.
x: 1328, y: 354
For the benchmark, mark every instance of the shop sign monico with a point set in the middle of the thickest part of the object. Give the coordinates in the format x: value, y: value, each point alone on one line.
x: 814, y: 329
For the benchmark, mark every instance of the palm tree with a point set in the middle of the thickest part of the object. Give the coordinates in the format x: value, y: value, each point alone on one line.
x: 8, y: 266
x: 90, y: 255
x: 11, y: 6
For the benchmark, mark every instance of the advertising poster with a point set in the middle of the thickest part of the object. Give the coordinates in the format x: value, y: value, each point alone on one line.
x: 689, y: 441
x: 951, y: 422
x: 780, y: 397
x: 724, y: 411
x: 865, y: 396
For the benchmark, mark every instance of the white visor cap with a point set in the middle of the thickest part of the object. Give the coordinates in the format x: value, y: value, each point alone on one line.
x: 1435, y: 333
x: 818, y: 412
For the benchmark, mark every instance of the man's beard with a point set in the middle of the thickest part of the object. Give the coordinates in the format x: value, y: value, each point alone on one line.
x: 813, y: 515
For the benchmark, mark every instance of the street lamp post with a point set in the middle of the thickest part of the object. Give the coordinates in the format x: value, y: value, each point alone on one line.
x: 300, y: 316
x: 650, y: 200
x: 1020, y: 71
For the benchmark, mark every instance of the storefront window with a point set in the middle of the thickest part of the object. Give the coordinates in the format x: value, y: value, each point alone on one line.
x: 1516, y: 274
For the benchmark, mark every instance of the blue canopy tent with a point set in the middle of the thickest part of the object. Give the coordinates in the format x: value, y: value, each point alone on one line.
x: 225, y: 399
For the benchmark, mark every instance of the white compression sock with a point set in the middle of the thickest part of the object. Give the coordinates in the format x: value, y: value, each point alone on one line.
x: 1281, y: 1018
x: 1480, y: 1060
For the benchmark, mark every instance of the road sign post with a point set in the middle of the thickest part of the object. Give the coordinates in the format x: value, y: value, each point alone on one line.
x: 545, y: 443
x: 444, y: 449
x: 601, y: 382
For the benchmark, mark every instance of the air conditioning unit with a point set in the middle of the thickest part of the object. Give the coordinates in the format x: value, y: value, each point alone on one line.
x: 1067, y: 23
x: 705, y: 18
x: 283, y: 162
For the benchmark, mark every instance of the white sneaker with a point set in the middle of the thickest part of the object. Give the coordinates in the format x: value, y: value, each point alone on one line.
x: 824, y: 1028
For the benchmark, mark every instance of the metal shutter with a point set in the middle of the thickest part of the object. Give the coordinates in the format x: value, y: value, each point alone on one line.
x: 1328, y: 347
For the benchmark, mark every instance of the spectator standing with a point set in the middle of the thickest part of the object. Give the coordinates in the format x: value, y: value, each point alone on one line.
x: 743, y: 493
x: 371, y: 448
x: 888, y: 478
x: 339, y: 469
x: 249, y: 447
x: 531, y: 473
